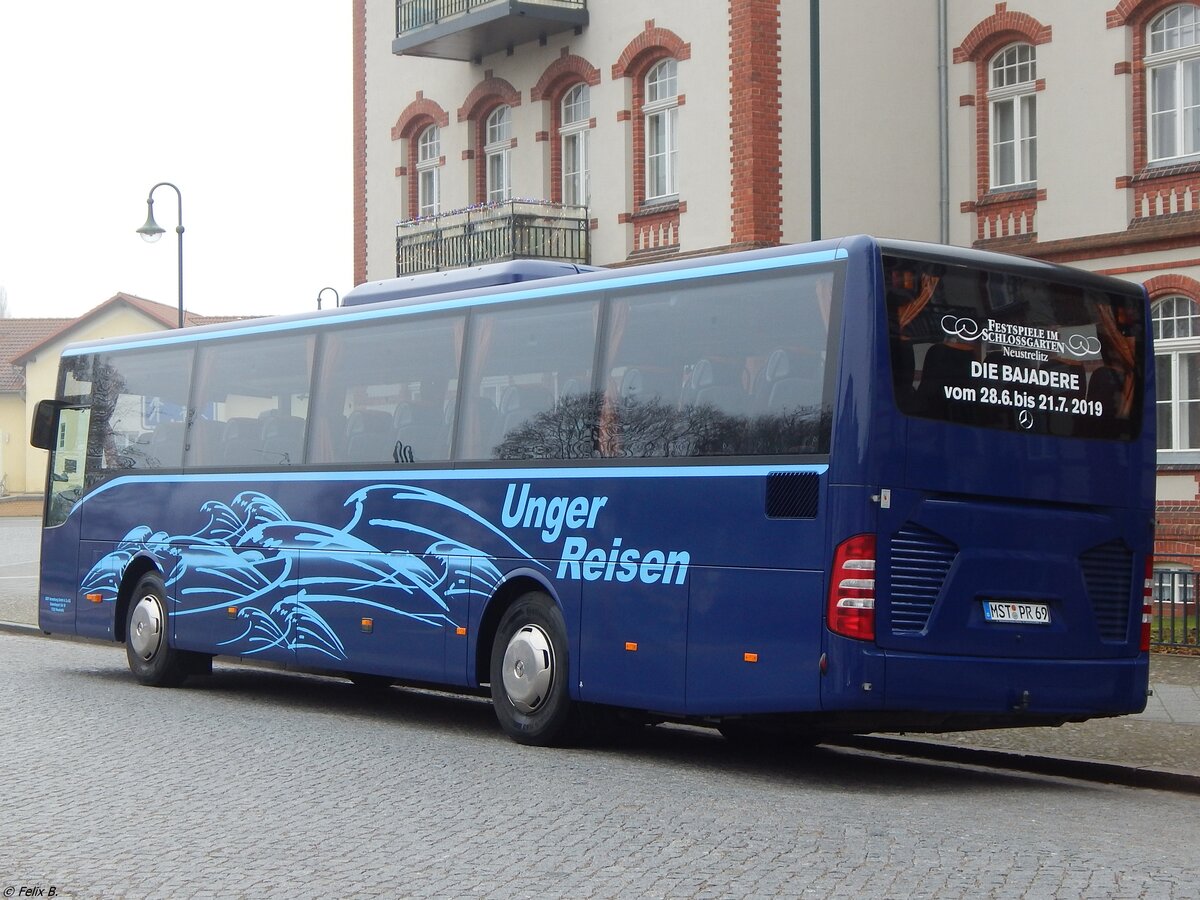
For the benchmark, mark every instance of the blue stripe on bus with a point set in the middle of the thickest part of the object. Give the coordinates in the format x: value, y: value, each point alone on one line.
x: 756, y: 265
x: 752, y: 471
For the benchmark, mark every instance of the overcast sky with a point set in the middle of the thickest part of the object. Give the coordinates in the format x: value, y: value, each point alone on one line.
x: 245, y: 105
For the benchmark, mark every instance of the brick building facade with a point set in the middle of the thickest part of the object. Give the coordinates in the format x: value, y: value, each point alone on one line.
x: 1063, y: 131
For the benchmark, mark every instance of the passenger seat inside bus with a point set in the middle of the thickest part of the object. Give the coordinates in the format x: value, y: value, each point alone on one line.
x: 521, y: 402
x: 205, y: 442
x: 783, y: 384
x: 640, y: 385
x: 420, y: 428
x: 283, y: 440
x: 166, y: 446
x: 1107, y: 387
x: 242, y: 442
x: 716, y: 383
x: 369, y: 436
x: 943, y: 367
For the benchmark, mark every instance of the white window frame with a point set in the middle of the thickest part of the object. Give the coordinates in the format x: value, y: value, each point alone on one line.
x: 573, y: 132
x: 1179, y: 317
x: 429, y: 159
x: 1012, y: 96
x: 661, y: 113
x: 497, y: 154
x: 1174, y: 585
x: 1173, y: 54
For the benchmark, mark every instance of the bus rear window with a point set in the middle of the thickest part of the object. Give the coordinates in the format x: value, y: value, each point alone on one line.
x: 1000, y: 350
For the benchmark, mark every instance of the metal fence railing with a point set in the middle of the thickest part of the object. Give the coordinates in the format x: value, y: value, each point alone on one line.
x: 1175, y: 612
x: 494, y: 232
x: 413, y: 14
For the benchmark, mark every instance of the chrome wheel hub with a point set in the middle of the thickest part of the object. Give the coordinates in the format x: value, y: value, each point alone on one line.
x: 528, y: 668
x: 146, y: 627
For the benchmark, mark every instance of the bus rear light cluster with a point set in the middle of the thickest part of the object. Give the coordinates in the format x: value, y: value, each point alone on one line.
x: 851, y: 609
x: 1147, y: 604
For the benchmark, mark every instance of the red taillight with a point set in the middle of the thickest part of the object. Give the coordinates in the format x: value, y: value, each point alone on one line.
x: 851, y: 610
x: 1147, y: 603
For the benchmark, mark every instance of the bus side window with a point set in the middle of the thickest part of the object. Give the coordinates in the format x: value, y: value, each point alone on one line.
x: 263, y: 380
x: 518, y: 358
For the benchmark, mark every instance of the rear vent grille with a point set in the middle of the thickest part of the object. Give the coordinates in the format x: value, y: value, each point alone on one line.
x: 792, y: 495
x: 921, y: 560
x: 1108, y: 571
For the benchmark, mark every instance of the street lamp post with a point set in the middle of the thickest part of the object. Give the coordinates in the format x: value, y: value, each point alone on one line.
x: 152, y: 231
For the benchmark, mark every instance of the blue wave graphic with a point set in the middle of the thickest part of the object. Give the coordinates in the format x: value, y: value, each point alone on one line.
x: 280, y: 573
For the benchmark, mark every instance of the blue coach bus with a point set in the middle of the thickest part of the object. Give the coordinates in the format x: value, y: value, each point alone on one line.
x: 851, y: 486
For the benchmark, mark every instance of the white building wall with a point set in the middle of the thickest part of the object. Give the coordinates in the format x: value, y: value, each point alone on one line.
x: 879, y: 120
x: 392, y: 83
x: 705, y: 182
x: 1084, y: 136
x: 1083, y: 120
x: 879, y: 129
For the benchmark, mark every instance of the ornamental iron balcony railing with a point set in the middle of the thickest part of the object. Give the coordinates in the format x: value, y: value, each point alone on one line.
x: 494, y: 232
x: 472, y: 29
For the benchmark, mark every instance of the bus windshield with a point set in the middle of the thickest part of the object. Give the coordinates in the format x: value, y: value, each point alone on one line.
x: 1000, y: 350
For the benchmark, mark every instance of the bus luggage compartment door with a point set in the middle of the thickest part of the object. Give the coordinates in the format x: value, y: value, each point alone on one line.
x: 238, y: 603
x: 976, y: 578
x: 754, y: 641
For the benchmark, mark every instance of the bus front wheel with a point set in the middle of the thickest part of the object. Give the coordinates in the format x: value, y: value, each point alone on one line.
x: 529, y: 672
x: 152, y: 659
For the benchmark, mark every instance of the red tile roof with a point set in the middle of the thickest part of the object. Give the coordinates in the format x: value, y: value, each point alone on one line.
x: 17, y: 336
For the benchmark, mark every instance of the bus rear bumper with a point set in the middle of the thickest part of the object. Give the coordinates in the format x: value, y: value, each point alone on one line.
x: 1016, y: 688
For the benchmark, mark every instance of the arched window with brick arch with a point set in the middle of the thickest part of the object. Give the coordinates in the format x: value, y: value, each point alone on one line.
x: 1012, y: 102
x: 429, y: 162
x: 497, y: 153
x: 1003, y: 49
x: 566, y: 88
x: 1173, y: 81
x: 489, y: 114
x: 651, y: 63
x: 661, y: 113
x: 419, y: 130
x: 1164, y: 69
x: 575, y: 114
x: 1175, y: 316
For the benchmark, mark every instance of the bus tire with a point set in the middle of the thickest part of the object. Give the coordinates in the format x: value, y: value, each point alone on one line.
x: 152, y: 659
x: 529, y: 672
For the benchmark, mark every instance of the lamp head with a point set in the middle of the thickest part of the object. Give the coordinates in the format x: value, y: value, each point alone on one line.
x: 151, y: 231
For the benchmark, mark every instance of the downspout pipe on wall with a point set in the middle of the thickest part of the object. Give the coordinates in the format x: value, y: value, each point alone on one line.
x: 943, y: 78
x: 814, y: 112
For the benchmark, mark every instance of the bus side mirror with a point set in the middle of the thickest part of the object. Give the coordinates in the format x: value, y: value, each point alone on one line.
x: 44, y: 433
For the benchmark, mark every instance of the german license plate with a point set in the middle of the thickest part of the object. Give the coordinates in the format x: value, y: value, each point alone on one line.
x: 1017, y: 612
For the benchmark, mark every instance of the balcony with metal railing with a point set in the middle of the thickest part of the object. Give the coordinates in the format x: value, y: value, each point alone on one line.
x: 471, y: 29
x: 493, y: 232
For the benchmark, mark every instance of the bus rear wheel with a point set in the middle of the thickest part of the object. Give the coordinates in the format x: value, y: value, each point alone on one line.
x: 152, y: 659
x: 529, y: 672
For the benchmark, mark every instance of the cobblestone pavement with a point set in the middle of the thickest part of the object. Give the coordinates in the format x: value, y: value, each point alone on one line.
x: 19, y: 554
x: 1165, y: 736
x: 255, y: 783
